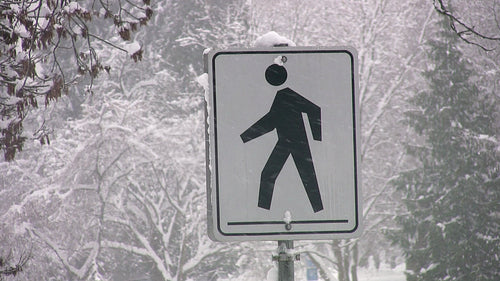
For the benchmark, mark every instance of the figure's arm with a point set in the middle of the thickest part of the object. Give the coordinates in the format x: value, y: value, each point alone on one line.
x: 263, y: 126
x: 313, y: 114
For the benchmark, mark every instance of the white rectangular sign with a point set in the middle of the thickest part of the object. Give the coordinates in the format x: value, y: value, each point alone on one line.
x: 283, y: 133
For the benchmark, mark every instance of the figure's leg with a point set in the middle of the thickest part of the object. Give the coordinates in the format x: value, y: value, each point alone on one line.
x: 269, y: 174
x: 303, y: 162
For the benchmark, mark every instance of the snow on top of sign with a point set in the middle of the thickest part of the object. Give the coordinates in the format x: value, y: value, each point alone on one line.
x: 272, y: 39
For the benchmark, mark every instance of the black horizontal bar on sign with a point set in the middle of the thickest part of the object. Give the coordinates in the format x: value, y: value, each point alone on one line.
x: 282, y: 222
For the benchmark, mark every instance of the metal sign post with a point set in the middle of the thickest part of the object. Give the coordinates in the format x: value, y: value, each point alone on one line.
x: 285, y: 259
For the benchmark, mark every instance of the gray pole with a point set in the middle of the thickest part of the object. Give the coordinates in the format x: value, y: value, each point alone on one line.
x: 285, y: 261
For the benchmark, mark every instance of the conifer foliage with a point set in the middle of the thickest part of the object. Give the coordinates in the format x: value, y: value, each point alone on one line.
x: 449, y: 230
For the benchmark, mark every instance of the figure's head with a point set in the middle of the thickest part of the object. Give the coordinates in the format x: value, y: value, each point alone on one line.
x: 276, y: 74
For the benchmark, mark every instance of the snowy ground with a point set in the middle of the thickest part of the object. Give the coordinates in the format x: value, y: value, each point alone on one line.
x: 383, y: 274
x: 365, y: 274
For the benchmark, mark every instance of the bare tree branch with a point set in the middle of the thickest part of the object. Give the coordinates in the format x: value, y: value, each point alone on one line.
x: 12, y: 270
x: 462, y: 29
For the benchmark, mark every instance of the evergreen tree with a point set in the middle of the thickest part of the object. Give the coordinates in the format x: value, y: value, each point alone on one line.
x: 449, y: 230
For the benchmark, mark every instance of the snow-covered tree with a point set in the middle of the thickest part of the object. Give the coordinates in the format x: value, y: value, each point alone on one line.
x: 388, y: 36
x: 129, y: 198
x: 449, y: 230
x: 46, y: 46
x: 120, y: 191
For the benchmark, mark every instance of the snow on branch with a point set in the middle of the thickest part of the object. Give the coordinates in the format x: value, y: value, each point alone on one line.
x: 63, y: 258
x: 466, y: 31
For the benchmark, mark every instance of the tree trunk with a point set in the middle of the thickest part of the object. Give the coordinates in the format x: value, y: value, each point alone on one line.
x: 347, y: 262
x: 354, y: 267
x: 340, y: 261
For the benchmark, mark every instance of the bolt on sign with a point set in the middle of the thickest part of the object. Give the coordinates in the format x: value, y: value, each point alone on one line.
x: 283, y: 144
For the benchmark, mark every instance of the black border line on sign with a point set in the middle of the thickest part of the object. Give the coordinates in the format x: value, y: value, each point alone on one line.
x: 283, y: 222
x: 356, y: 195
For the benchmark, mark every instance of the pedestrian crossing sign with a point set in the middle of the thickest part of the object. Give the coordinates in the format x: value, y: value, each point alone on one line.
x: 282, y: 144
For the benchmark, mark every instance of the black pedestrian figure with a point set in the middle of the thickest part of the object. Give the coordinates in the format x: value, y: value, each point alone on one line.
x: 286, y: 116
